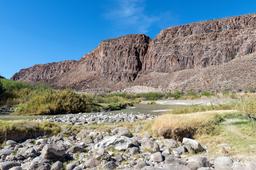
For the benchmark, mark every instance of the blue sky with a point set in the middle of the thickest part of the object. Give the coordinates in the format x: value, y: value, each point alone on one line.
x: 42, y: 31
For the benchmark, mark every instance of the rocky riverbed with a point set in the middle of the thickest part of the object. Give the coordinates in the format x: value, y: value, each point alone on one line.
x: 97, y: 118
x: 115, y: 149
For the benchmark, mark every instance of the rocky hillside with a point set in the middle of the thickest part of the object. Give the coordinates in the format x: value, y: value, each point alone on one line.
x: 199, y: 56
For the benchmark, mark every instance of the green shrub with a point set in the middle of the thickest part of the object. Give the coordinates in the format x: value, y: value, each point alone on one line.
x: 1, y: 89
x: 151, y: 96
x: 247, y: 105
x: 50, y: 101
x: 175, y: 95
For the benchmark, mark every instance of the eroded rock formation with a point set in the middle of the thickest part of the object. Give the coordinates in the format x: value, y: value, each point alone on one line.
x: 138, y: 60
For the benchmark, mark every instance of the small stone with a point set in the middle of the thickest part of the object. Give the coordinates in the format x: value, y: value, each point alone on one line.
x: 157, y: 157
x: 251, y: 165
x: 223, y: 163
x: 133, y: 150
x: 149, y: 146
x: 5, y: 152
x: 71, y: 166
x: 57, y: 166
x: 119, y: 143
x: 75, y: 149
x: 196, y: 162
x: 179, y: 151
x: 91, y: 163
x: 121, y: 131
x: 170, y: 143
x: 110, y: 165
x: 11, y: 142
x: 140, y: 164
x: 16, y: 168
x: 175, y: 166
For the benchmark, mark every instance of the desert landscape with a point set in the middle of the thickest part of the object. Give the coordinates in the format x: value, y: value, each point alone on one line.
x: 184, y: 100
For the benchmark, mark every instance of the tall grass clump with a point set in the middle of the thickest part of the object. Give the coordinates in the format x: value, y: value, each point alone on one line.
x: 201, y: 108
x: 247, y: 105
x: 22, y: 130
x: 112, y: 102
x: 186, y: 125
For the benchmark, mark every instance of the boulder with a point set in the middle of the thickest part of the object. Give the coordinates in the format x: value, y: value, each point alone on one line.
x: 120, y: 143
x: 8, y: 165
x: 192, y: 145
x: 53, y: 152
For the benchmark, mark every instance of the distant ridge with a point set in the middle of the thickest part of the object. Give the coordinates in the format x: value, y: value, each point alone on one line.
x: 197, y: 56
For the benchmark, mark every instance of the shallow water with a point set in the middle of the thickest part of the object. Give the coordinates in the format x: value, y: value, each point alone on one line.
x: 160, y: 106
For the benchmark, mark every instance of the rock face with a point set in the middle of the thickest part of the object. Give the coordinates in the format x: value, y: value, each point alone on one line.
x: 167, y: 62
x: 45, y: 72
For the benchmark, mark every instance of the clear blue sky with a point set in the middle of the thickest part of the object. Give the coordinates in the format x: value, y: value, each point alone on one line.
x: 42, y: 31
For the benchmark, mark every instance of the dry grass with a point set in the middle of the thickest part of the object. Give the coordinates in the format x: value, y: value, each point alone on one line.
x: 202, y: 108
x: 247, y: 105
x: 20, y: 130
x: 187, y: 125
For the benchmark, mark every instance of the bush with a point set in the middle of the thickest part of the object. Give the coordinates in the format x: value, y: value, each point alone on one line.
x: 1, y: 89
x: 55, y: 102
x: 175, y: 95
x: 151, y: 96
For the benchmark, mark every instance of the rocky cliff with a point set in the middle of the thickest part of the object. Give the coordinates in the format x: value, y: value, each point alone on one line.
x: 166, y: 62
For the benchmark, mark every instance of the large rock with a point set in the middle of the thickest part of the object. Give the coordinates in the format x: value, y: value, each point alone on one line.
x: 192, y: 145
x: 8, y: 165
x: 175, y: 59
x: 117, y: 142
x: 53, y: 152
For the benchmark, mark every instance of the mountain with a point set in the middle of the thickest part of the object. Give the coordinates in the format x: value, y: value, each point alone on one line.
x: 214, y: 55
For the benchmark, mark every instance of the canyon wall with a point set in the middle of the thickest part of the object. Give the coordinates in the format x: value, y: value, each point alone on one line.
x: 138, y: 60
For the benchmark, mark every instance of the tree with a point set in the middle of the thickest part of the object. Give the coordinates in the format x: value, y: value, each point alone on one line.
x: 1, y: 86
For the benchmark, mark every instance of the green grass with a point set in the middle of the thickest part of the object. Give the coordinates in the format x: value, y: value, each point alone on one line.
x: 247, y: 105
x: 164, y: 95
x: 42, y: 100
x: 240, y: 136
x: 22, y: 130
x: 201, y: 108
